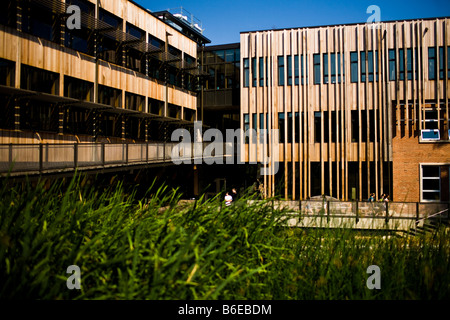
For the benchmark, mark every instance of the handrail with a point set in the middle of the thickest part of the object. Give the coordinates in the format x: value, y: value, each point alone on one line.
x: 45, y: 157
x: 432, y: 215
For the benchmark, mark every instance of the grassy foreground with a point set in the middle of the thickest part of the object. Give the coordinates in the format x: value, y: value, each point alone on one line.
x: 130, y: 249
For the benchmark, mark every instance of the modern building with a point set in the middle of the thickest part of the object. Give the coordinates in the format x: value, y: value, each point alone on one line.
x: 125, y: 74
x: 106, y: 72
x: 360, y: 108
x: 220, y: 97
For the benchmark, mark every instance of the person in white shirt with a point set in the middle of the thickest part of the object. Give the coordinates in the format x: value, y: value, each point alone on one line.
x: 228, y: 199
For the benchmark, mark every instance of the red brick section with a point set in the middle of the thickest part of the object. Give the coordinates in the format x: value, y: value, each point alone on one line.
x: 407, y: 155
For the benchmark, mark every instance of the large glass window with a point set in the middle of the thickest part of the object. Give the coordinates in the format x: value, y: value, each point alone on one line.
x: 109, y: 47
x: 81, y: 39
x: 135, y: 59
x: 40, y: 22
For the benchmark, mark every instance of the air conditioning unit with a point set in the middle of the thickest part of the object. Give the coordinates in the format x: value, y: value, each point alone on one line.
x: 430, y: 134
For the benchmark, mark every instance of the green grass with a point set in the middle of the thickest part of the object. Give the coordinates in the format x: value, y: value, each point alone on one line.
x: 130, y: 249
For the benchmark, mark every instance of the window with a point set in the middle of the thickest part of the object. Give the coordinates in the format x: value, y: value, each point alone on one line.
x: 317, y: 126
x: 134, y: 101
x: 229, y: 55
x: 430, y: 125
x: 135, y: 59
x: 392, y: 66
x: 79, y: 39
x: 316, y: 62
x: 370, y: 66
x: 156, y: 106
x: 189, y: 115
x: 246, y: 127
x: 109, y: 96
x: 354, y: 67
x: 281, y: 126
x: 261, y: 71
x: 7, y: 70
x: 37, y: 79
x: 296, y: 70
x: 409, y: 68
x: 333, y: 75
x: 325, y: 68
x: 78, y: 89
x: 281, y: 71
x: 432, y: 63
x: 254, y: 72
x: 108, y: 48
x: 246, y: 72
x: 304, y: 71
x: 339, y: 67
x: 8, y: 16
x: 431, y: 183
x: 40, y: 22
x: 289, y: 70
x: 174, y: 111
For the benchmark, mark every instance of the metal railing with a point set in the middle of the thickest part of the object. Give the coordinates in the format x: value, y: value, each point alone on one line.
x: 44, y: 157
x: 362, y: 214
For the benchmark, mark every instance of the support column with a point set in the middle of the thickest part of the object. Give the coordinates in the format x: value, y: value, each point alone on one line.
x: 60, y: 120
x: 196, y: 187
x: 16, y: 115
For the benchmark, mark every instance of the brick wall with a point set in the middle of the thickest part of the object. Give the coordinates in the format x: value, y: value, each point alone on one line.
x: 408, y: 154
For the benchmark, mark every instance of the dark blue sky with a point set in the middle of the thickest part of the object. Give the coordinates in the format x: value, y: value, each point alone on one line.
x: 222, y: 21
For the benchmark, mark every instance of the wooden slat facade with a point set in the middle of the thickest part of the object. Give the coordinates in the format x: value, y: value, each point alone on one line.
x: 391, y: 109
x: 27, y: 49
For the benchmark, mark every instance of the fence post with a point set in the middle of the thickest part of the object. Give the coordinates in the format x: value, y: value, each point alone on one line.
x: 417, y: 212
x: 41, y: 156
x: 356, y: 213
x: 126, y: 152
x: 146, y: 152
x: 328, y: 211
x: 103, y: 153
x: 10, y: 155
x: 387, y: 211
x: 300, y: 208
x: 75, y: 155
